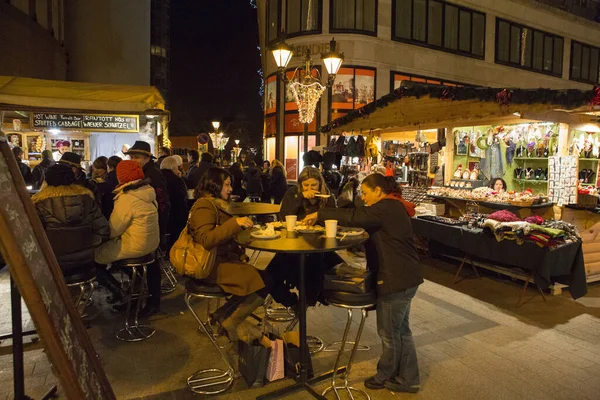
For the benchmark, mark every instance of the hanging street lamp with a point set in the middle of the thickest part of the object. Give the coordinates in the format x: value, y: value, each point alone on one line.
x: 306, y: 84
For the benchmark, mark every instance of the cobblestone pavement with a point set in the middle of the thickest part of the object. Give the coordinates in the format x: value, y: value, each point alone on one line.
x: 472, y: 344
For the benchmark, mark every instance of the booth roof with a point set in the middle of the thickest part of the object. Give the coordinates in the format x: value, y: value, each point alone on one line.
x: 421, y: 106
x: 47, y: 95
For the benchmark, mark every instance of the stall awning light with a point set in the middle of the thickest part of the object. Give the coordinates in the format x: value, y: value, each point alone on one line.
x: 282, y: 53
x: 54, y: 131
x: 332, y: 60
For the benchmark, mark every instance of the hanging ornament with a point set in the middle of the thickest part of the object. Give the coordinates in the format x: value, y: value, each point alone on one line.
x: 307, y: 96
x: 595, y: 99
x: 503, y: 98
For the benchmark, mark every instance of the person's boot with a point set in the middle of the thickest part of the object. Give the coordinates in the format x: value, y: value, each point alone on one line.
x: 239, y: 315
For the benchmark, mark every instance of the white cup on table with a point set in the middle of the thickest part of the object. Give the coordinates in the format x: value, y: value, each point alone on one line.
x: 290, y: 222
x: 330, y: 228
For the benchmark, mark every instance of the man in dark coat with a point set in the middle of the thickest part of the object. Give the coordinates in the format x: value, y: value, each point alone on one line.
x: 163, y: 153
x: 178, y: 196
x: 24, y: 168
x: 193, y: 159
x: 73, y: 160
x: 39, y: 172
x: 206, y: 162
x: 141, y: 153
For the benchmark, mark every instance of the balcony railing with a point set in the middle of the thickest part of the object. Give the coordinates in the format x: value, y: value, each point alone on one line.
x: 588, y: 9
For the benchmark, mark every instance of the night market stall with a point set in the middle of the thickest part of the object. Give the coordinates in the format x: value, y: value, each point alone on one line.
x: 542, y: 145
x: 87, y: 118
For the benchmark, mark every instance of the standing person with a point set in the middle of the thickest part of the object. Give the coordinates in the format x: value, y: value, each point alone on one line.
x: 123, y: 153
x: 278, y: 181
x: 392, y: 256
x: 178, y: 196
x: 265, y: 179
x: 24, y: 168
x: 193, y: 158
x: 179, y: 165
x: 237, y: 176
x: 163, y: 153
x: 141, y: 154
x: 134, y: 228
x: 73, y: 161
x: 254, y: 186
x: 71, y: 218
x: 111, y: 177
x: 211, y: 226
x: 62, y: 146
x: 244, y: 160
x: 206, y: 162
x: 38, y: 174
x: 389, y: 167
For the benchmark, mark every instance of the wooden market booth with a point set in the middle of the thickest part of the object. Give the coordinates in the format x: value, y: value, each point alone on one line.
x: 97, y: 119
x: 451, y: 110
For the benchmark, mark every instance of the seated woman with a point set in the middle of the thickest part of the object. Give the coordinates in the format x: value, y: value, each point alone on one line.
x: 71, y: 218
x: 392, y: 256
x: 301, y: 200
x: 498, y: 184
x: 211, y: 226
x: 134, y: 221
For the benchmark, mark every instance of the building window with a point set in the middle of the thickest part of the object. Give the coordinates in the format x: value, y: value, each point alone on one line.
x: 303, y: 17
x: 398, y: 77
x: 585, y: 63
x: 358, y: 16
x: 354, y: 87
x: 440, y: 25
x: 273, y: 20
x: 158, y: 51
x: 523, y: 47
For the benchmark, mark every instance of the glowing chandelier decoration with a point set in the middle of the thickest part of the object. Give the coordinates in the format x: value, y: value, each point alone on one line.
x: 219, y: 141
x: 307, y: 96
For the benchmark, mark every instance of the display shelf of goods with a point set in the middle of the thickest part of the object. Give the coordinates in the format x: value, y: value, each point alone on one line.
x: 530, y: 180
x: 530, y: 158
x: 588, y: 159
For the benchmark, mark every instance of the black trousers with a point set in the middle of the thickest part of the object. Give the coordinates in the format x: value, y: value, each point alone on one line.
x: 153, y: 280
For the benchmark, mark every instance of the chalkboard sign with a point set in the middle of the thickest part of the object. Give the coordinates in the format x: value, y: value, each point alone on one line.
x: 37, y: 274
x: 91, y: 122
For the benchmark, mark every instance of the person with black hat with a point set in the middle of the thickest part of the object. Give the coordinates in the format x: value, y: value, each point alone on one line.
x: 71, y: 218
x: 141, y: 153
x: 73, y: 160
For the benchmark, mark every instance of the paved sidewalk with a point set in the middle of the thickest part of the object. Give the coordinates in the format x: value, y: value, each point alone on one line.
x: 472, y: 344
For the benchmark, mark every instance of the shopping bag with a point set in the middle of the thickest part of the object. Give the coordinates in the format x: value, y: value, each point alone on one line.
x: 276, y: 366
x: 291, y: 346
x: 253, y: 358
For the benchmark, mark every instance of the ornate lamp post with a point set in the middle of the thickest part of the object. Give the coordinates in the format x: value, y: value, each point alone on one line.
x: 306, y: 85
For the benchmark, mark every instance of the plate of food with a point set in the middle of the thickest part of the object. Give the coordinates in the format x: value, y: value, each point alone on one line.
x: 267, y: 233
x: 309, y: 229
x: 325, y: 196
x: 351, y: 231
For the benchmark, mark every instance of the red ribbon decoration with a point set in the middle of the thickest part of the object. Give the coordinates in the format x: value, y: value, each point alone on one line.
x: 447, y: 95
x: 595, y: 99
x: 503, y: 98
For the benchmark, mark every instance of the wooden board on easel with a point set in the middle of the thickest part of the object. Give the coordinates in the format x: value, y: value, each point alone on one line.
x: 34, y: 268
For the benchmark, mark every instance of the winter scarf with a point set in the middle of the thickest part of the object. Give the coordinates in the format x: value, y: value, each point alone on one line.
x: 410, y: 207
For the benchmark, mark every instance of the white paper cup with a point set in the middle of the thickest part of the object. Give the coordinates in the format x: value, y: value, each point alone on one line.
x: 290, y: 222
x: 330, y: 228
x: 190, y: 194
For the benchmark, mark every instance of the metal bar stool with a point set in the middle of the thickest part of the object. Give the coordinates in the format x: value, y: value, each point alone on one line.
x: 169, y: 283
x: 349, y: 301
x: 212, y: 380
x: 136, y: 332
x: 84, y: 281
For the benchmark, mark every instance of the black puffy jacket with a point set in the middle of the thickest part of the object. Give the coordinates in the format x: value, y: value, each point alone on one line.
x: 73, y: 223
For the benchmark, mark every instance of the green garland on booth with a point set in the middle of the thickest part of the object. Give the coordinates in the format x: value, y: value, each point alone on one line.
x: 569, y: 98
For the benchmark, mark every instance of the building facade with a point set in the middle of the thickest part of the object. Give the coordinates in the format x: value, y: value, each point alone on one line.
x: 119, y: 42
x: 510, y: 43
x: 31, y: 39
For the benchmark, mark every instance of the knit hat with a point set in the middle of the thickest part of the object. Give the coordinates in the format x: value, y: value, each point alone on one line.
x: 128, y: 171
x: 59, y: 175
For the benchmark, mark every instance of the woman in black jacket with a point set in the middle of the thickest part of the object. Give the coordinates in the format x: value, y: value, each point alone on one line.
x: 178, y: 195
x: 301, y: 200
x: 72, y: 220
x: 392, y: 256
x: 278, y: 181
x: 265, y: 179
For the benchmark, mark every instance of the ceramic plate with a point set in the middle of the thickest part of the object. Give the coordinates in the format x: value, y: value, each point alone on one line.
x: 309, y: 229
x: 351, y: 231
x: 260, y: 235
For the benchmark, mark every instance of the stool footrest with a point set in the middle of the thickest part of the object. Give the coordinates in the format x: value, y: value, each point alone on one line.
x: 135, y: 333
x: 347, y: 389
x: 219, y: 379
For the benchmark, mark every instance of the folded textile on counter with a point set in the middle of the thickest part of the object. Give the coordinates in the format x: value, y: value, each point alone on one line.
x: 548, y: 235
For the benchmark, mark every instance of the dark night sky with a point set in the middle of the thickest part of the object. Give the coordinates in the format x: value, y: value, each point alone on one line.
x: 214, y: 64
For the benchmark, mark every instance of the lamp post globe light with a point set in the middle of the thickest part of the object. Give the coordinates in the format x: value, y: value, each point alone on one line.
x: 306, y: 85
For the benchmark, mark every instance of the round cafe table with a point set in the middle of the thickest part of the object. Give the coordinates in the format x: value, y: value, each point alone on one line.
x: 302, y: 244
x: 246, y: 209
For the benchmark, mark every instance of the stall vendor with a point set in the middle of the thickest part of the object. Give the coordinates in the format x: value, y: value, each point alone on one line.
x: 62, y: 147
x: 498, y: 184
